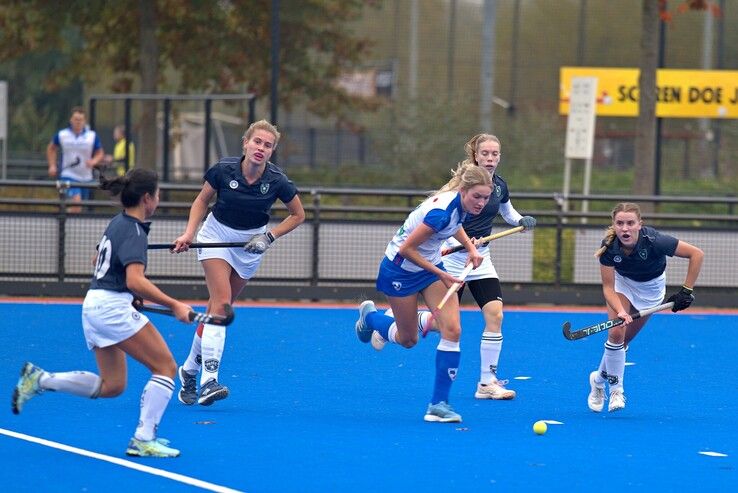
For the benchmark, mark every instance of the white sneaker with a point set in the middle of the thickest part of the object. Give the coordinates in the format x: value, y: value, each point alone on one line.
x: 378, y: 341
x: 617, y: 400
x: 494, y: 390
x: 596, y: 398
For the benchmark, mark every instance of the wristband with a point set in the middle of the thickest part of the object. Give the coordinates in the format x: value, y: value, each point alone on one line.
x: 687, y: 289
x: 270, y: 236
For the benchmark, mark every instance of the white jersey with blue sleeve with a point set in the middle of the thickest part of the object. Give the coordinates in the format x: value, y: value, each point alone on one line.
x: 443, y: 214
x: 76, y: 150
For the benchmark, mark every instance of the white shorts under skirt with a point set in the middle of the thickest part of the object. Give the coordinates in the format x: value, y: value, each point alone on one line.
x: 212, y: 231
x: 109, y: 318
x: 455, y: 262
x: 642, y: 295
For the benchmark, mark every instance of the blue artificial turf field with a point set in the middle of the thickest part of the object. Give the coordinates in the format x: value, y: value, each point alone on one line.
x: 312, y: 409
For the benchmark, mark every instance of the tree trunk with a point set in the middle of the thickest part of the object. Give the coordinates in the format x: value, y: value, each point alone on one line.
x: 149, y: 78
x: 645, y: 141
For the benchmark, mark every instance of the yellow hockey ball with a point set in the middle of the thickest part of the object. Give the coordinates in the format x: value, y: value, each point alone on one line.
x: 540, y: 427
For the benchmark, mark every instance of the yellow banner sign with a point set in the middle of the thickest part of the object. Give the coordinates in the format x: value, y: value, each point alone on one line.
x: 680, y: 93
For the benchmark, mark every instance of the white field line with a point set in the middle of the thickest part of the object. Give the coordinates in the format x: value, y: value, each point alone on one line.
x: 121, y: 462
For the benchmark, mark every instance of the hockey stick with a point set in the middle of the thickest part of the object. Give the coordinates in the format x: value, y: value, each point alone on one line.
x: 451, y: 291
x: 593, y: 329
x: 170, y: 246
x: 485, y: 239
x: 205, y: 318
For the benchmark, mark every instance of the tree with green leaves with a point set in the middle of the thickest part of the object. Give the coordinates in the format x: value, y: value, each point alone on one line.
x: 154, y: 46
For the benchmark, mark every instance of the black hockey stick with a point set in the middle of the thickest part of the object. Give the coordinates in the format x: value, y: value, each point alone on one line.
x: 205, y: 318
x: 170, y: 246
x: 593, y: 329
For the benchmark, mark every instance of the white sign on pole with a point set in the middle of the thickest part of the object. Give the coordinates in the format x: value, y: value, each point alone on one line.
x: 3, y: 110
x: 580, y: 125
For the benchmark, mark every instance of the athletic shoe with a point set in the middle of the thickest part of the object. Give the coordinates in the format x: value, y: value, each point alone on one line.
x: 596, y: 397
x: 363, y: 332
x: 212, y: 391
x: 617, y: 400
x: 441, y: 413
x: 188, y: 392
x: 494, y: 390
x: 27, y: 386
x: 378, y: 341
x: 157, y: 447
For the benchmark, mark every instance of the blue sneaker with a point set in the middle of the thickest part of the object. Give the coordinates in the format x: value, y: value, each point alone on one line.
x: 363, y: 332
x: 212, y: 391
x: 27, y: 386
x: 441, y: 413
x: 158, y: 447
x: 188, y: 392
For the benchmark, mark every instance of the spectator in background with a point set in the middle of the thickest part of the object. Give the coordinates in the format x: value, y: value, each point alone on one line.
x: 81, y: 152
x: 118, y: 158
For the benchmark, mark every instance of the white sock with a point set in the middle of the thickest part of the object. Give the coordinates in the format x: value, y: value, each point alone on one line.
x: 423, y: 318
x: 81, y: 383
x: 601, y: 371
x: 489, y: 352
x: 615, y: 364
x: 194, y: 359
x: 213, y: 342
x: 154, y: 400
x: 392, y: 333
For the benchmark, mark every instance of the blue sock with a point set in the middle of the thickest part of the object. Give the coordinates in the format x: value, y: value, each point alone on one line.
x: 380, y: 322
x: 448, y: 356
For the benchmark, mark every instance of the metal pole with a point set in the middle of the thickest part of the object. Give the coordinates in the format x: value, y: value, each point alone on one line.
x: 92, y: 115
x: 581, y: 41
x: 208, y: 116
x: 413, y: 55
x: 451, y: 49
x: 657, y: 157
x: 514, y: 57
x: 127, y: 136
x: 165, y: 138
x: 275, y: 62
x: 487, y: 64
x: 720, y: 56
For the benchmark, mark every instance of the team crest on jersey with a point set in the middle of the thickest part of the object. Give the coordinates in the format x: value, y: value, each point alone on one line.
x: 211, y: 365
x: 617, y: 258
x: 452, y: 373
x: 498, y: 190
x: 233, y: 184
x: 264, y: 188
x: 643, y: 254
x: 397, y: 285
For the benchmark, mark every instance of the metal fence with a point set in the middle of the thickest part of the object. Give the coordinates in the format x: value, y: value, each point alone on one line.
x: 45, y: 250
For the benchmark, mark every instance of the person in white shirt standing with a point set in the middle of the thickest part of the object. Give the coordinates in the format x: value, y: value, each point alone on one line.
x: 81, y: 152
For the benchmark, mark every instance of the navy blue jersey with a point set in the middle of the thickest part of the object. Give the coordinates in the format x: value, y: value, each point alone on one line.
x: 481, y: 224
x: 125, y: 242
x: 647, y: 260
x: 244, y: 206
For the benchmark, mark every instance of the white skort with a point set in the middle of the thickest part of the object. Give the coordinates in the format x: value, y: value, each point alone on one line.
x: 109, y: 318
x: 212, y: 231
x: 455, y: 263
x: 642, y: 295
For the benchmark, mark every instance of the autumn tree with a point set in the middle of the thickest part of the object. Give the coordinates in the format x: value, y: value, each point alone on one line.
x: 152, y: 46
x: 653, y: 12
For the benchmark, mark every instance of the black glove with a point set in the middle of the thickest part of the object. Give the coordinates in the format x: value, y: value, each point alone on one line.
x: 259, y: 243
x: 682, y: 299
x: 528, y: 222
